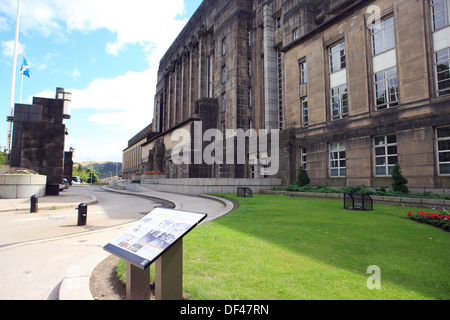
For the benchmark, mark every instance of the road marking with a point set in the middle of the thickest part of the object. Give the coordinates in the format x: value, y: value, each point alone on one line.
x: 56, y: 217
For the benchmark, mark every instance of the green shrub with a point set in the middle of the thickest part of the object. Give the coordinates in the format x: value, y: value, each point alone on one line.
x: 399, y: 182
x: 302, y: 177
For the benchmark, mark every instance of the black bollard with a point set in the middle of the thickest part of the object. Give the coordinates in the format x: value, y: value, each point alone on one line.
x: 34, y: 204
x: 82, y: 214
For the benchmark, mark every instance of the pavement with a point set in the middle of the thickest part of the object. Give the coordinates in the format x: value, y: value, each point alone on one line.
x: 75, y: 285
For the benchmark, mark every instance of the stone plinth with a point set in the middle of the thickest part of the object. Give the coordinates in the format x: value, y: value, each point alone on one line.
x: 18, y: 186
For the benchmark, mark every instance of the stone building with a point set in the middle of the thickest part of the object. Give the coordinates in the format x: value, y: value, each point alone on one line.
x: 39, y: 139
x: 354, y: 86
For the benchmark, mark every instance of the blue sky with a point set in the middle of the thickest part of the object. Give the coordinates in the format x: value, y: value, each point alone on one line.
x: 105, y: 52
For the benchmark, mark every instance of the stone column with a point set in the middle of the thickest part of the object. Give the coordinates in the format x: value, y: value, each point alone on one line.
x: 270, y: 71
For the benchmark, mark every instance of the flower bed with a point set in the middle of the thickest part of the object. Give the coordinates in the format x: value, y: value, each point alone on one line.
x: 438, y: 220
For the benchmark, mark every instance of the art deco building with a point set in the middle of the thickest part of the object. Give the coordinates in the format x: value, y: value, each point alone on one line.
x: 353, y: 86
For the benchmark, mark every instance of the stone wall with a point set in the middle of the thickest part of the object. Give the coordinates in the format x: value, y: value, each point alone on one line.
x: 197, y: 186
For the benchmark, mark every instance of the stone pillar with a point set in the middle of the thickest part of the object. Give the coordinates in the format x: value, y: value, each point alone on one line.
x: 270, y: 71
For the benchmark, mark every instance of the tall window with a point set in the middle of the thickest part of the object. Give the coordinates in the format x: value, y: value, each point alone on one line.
x: 386, y: 89
x: 303, y: 73
x: 249, y: 67
x: 383, y: 36
x: 224, y: 74
x: 278, y: 22
x: 224, y: 103
x: 280, y: 90
x: 443, y: 149
x: 305, y: 119
x: 440, y: 10
x: 339, y: 103
x: 224, y: 46
x: 337, y: 57
x: 443, y: 71
x: 303, y: 157
x: 249, y: 97
x: 295, y: 34
x: 338, y: 162
x: 385, y: 154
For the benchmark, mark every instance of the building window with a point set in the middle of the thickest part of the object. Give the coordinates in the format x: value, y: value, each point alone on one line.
x: 222, y: 127
x: 443, y: 149
x: 337, y: 57
x: 440, y: 10
x: 249, y: 97
x: 385, y: 154
x: 443, y: 72
x: 224, y: 46
x: 224, y: 74
x: 280, y: 91
x: 386, y: 89
x: 339, y: 103
x: 303, y: 73
x: 249, y: 38
x: 338, y: 163
x: 295, y: 34
x: 278, y: 22
x: 383, y: 36
x: 224, y: 103
x: 305, y: 112
x: 303, y: 157
x: 219, y: 171
x: 249, y: 67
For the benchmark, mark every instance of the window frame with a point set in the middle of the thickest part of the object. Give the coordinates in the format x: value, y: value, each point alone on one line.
x: 436, y: 63
x: 341, y: 107
x: 381, y: 29
x: 446, y: 18
x: 337, y: 157
x: 386, y: 145
x: 438, y: 139
x: 386, y: 82
x: 303, y: 72
x: 305, y: 112
x: 335, y: 51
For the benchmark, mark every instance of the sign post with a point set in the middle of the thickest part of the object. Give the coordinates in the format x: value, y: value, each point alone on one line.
x: 157, y: 237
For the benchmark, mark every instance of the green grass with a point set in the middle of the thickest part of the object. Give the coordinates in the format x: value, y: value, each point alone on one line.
x: 285, y: 248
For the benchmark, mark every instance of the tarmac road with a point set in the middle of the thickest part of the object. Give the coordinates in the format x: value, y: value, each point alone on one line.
x: 38, y: 250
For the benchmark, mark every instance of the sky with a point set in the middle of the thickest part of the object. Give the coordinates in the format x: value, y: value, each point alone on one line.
x: 106, y: 53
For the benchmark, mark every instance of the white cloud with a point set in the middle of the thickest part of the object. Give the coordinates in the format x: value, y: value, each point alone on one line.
x: 8, y: 48
x: 133, y: 21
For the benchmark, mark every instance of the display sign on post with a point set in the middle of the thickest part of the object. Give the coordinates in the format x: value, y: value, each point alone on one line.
x: 148, y: 239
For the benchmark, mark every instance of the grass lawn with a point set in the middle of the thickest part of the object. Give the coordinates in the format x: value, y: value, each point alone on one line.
x: 283, y: 248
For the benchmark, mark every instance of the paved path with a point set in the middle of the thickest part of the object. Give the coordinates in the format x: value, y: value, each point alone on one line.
x: 83, y: 251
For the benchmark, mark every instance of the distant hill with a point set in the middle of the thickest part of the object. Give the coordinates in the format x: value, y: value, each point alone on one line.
x: 105, y: 169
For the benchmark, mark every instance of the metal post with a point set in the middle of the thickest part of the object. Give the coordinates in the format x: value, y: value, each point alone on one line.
x: 13, y: 85
x: 169, y: 274
x: 82, y: 214
x: 34, y: 204
x: 138, y: 283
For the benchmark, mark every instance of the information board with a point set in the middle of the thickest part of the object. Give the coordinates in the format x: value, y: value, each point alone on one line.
x: 146, y: 241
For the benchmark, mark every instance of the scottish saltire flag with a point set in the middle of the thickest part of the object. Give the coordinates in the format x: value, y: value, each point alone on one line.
x: 25, y: 70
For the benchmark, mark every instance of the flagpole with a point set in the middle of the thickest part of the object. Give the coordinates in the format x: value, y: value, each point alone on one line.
x: 21, y: 87
x: 13, y: 85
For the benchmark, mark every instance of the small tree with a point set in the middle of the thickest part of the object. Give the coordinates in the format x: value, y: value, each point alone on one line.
x: 398, y: 180
x: 302, y: 177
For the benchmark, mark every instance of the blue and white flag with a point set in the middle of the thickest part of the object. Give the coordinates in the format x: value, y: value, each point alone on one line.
x: 25, y: 69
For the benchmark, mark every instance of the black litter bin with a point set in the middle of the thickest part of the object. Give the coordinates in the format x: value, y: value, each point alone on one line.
x: 34, y: 207
x: 82, y: 214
